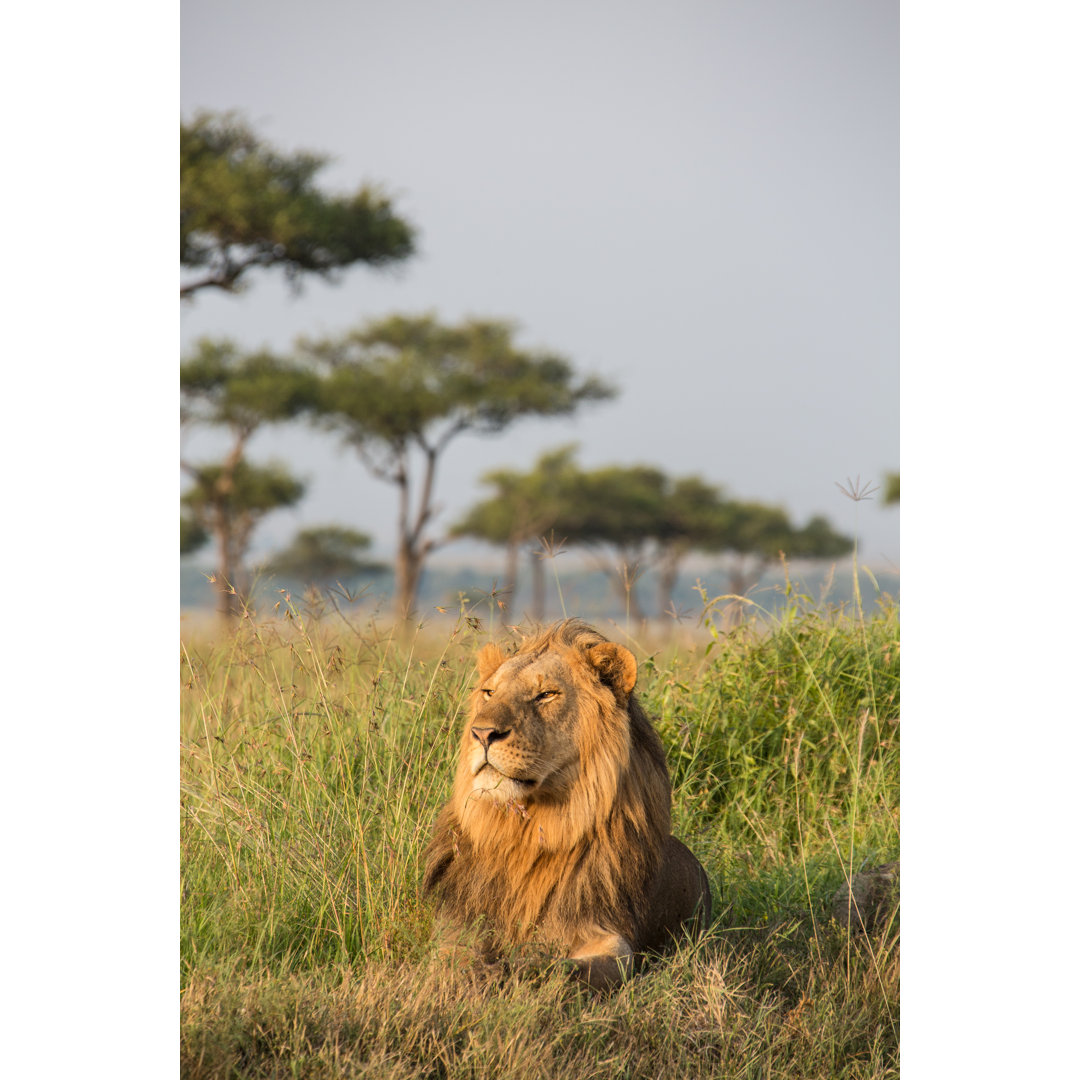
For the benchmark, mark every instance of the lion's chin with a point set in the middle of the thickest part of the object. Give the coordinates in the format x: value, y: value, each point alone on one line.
x: 501, y: 787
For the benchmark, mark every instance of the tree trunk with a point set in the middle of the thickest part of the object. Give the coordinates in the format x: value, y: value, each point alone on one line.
x: 742, y: 577
x: 539, y: 586
x: 667, y: 572
x: 624, y: 592
x: 228, y: 564
x: 737, y: 579
x: 412, y: 547
x: 222, y: 525
x: 227, y: 606
x: 510, y: 581
x: 407, y: 571
x: 633, y: 608
x: 625, y: 579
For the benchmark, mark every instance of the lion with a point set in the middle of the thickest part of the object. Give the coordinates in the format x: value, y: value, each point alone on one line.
x: 558, y: 831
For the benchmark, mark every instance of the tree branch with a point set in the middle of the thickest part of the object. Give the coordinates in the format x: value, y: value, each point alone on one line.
x: 214, y: 281
x: 462, y: 423
x: 388, y: 471
x: 226, y: 277
x: 424, y: 509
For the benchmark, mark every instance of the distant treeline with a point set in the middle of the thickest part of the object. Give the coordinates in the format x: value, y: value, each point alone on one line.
x: 586, y: 593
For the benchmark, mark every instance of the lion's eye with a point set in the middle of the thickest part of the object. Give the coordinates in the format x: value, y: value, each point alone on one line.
x: 545, y: 695
x: 486, y: 691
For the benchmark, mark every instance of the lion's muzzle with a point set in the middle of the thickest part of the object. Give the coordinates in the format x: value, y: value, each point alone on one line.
x: 494, y: 721
x: 494, y: 747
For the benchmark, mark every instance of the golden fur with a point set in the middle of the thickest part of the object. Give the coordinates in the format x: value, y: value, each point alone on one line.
x: 559, y: 826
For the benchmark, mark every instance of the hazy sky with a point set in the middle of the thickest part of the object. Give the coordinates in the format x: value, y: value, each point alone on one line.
x: 698, y: 200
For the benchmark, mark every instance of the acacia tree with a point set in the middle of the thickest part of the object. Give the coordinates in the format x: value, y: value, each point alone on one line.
x: 645, y: 519
x: 891, y: 495
x: 617, y: 511
x: 694, y: 516
x: 634, y: 518
x: 651, y: 520
x: 756, y: 535
x: 628, y: 517
x: 400, y: 389
x: 326, y: 553
x: 230, y: 511
x: 244, y: 205
x: 523, y: 507
x: 223, y: 387
x: 760, y: 534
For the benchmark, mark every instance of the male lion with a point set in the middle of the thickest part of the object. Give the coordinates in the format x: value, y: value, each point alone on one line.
x: 559, y: 826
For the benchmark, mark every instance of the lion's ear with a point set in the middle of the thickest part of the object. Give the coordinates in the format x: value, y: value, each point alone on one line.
x: 616, y: 667
x: 488, y: 659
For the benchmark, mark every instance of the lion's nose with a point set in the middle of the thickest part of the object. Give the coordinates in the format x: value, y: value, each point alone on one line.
x: 485, y: 736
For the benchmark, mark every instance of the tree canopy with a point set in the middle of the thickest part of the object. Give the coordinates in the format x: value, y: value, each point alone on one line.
x: 412, y: 380
x: 224, y: 386
x: 244, y: 204
x: 524, y: 504
x: 249, y: 491
x: 399, y: 389
x: 326, y: 553
x: 818, y: 540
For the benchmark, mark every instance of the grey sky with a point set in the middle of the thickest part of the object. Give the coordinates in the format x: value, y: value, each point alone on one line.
x: 697, y: 200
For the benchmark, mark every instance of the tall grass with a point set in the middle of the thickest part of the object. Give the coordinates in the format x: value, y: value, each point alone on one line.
x: 316, y: 753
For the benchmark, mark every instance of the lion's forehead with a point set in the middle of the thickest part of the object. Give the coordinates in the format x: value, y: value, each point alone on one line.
x: 534, y: 669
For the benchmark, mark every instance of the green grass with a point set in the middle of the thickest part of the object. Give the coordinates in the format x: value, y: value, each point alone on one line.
x: 316, y: 754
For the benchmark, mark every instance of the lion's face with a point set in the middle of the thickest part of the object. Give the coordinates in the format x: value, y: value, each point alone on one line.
x: 529, y: 725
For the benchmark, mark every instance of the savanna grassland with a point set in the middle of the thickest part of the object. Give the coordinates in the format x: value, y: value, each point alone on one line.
x: 315, y: 753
